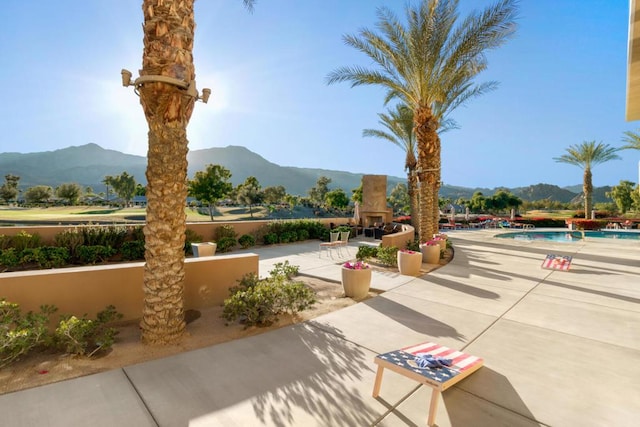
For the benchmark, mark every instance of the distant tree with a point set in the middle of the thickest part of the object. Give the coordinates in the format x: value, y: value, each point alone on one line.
x: 336, y: 199
x: 70, y: 192
x: 274, y: 195
x: 292, y: 201
x: 400, y: 200
x: 478, y: 203
x: 108, y: 181
x: 503, y: 200
x: 317, y: 193
x: 621, y: 195
x: 9, y: 190
x: 211, y: 185
x: 586, y: 155
x: 141, y: 190
x: 249, y: 193
x: 88, y: 190
x: 124, y: 186
x: 38, y: 194
x: 356, y: 195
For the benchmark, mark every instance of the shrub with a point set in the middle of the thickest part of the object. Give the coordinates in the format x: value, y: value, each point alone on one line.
x: 92, y: 254
x: 5, y: 242
x: 366, y: 252
x: 137, y: 233
x: 109, y: 235
x: 24, y: 240
x: 260, y: 301
x: 86, y: 337
x: 225, y: 244
x: 20, y: 334
x: 270, y: 239
x: 413, y: 245
x: 191, y: 237
x: 246, y: 241
x: 45, y: 256
x: 303, y: 234
x: 226, y: 238
x: 8, y: 259
x: 70, y: 238
x: 133, y: 250
x: 387, y: 255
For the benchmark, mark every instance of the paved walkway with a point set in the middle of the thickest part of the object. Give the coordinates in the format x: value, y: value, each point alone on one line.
x: 560, y: 349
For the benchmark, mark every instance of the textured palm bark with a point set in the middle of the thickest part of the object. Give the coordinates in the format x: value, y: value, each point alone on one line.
x: 587, y: 189
x: 428, y: 145
x: 168, y: 45
x: 414, y: 200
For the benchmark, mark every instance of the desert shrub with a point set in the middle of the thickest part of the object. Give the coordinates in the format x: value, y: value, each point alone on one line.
x: 226, y: 231
x: 45, y: 256
x: 9, y: 259
x: 284, y: 269
x: 226, y: 238
x: 303, y: 234
x: 70, y: 238
x: 366, y: 252
x: 288, y: 236
x: 23, y: 240
x: 132, y: 250
x: 191, y: 237
x: 86, y: 337
x: 5, y: 242
x: 413, y: 245
x: 246, y: 241
x: 136, y: 233
x: 109, y: 235
x: 225, y: 244
x: 93, y: 254
x: 387, y: 255
x: 260, y: 301
x: 270, y: 239
x: 19, y: 334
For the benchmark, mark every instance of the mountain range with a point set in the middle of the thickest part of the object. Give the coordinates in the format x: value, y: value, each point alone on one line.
x: 88, y: 164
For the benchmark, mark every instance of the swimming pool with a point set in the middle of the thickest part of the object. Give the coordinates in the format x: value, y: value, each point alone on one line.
x: 570, y: 236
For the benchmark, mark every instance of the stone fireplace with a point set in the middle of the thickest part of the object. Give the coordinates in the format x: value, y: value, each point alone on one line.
x: 374, y: 201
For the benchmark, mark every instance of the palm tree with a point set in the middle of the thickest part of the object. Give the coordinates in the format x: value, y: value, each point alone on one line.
x: 399, y: 124
x: 168, y: 51
x: 633, y: 143
x: 587, y: 155
x: 430, y: 64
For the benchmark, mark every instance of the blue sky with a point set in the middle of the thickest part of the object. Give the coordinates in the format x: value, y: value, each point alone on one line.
x: 562, y: 81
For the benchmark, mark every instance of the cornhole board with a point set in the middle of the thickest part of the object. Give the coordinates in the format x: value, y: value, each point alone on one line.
x: 557, y: 262
x: 439, y: 379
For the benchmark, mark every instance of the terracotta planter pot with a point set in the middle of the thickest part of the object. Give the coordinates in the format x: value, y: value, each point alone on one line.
x: 430, y: 254
x: 356, y: 283
x: 409, y: 263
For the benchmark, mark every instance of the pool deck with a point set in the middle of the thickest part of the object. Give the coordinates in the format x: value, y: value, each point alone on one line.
x: 559, y: 349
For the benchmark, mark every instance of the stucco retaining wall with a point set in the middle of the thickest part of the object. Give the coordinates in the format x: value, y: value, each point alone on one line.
x: 88, y: 290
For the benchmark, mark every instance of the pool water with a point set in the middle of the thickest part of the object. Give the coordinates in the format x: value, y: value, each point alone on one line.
x: 569, y: 236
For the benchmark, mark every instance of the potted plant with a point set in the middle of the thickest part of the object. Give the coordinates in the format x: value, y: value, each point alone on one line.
x: 431, y: 251
x: 441, y: 239
x: 356, y: 279
x: 409, y: 262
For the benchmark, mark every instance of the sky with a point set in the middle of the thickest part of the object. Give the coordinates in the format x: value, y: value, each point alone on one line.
x: 561, y: 81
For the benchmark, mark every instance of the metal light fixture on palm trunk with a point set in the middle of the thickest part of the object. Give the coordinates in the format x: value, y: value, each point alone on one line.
x: 190, y: 88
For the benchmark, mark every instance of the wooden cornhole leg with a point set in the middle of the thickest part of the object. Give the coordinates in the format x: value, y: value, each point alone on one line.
x: 378, y: 382
x: 433, y: 406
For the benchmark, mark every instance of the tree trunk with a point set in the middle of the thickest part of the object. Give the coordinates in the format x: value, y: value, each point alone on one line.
x: 587, y: 189
x: 168, y: 44
x: 428, y: 145
x: 414, y: 203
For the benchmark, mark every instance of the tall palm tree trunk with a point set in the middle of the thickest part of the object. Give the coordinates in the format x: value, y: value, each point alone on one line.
x: 414, y: 200
x: 587, y: 189
x: 428, y: 145
x: 168, y: 45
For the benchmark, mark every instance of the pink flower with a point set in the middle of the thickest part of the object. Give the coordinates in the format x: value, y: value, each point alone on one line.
x: 433, y: 242
x: 358, y: 265
x: 407, y: 251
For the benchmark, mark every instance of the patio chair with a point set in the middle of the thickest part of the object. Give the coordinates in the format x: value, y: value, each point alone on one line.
x: 343, y: 242
x: 334, y: 241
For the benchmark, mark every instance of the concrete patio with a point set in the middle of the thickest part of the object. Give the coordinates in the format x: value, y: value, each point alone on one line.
x: 560, y: 349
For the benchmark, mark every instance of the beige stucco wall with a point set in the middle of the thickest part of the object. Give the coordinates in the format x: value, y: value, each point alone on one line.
x: 88, y: 290
x: 400, y: 239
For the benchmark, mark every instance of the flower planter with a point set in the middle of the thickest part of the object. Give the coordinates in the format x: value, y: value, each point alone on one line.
x: 409, y: 263
x: 356, y: 282
x: 430, y: 254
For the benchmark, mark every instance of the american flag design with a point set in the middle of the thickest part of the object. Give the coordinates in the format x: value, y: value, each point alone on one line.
x: 405, y: 358
x: 557, y: 262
